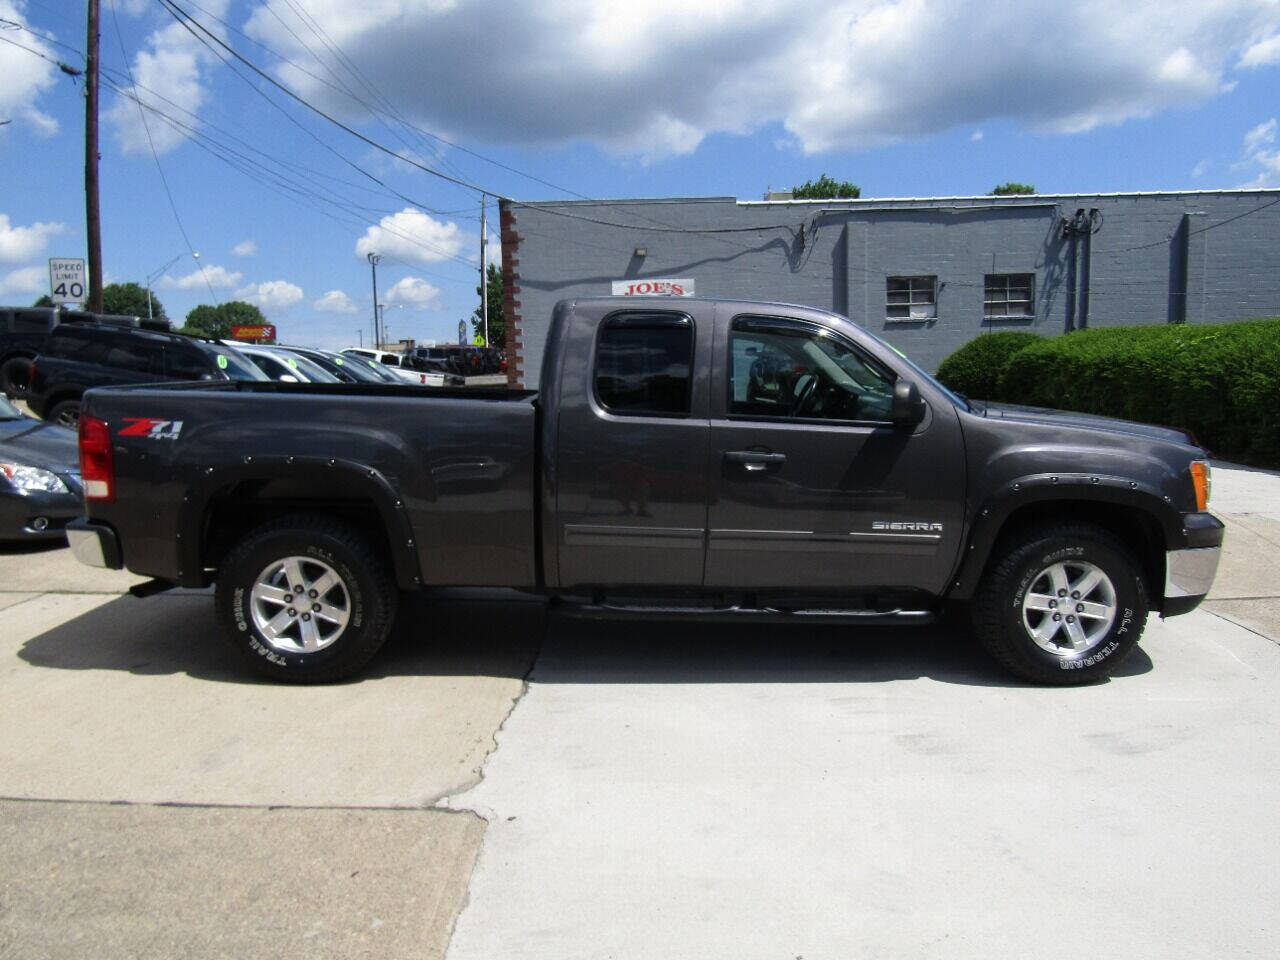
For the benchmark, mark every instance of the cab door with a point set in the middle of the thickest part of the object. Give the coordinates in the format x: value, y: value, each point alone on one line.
x: 814, y: 489
x: 630, y: 477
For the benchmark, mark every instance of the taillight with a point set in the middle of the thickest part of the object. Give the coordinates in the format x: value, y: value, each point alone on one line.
x: 97, y: 468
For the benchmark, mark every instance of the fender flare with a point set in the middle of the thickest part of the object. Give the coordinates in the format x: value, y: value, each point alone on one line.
x: 364, y: 482
x: 1085, y: 488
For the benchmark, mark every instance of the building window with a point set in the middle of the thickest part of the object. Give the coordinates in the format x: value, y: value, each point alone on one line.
x: 911, y: 298
x: 1009, y: 295
x: 644, y: 363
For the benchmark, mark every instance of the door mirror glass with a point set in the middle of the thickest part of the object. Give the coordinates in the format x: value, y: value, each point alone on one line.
x: 908, y: 407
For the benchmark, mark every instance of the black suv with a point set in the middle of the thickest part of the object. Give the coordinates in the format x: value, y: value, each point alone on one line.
x: 23, y: 331
x: 77, y: 356
x: 464, y: 361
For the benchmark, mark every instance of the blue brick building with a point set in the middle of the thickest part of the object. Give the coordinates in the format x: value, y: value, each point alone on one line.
x: 928, y: 275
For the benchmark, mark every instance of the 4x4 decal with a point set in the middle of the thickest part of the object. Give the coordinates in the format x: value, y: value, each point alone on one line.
x: 152, y: 428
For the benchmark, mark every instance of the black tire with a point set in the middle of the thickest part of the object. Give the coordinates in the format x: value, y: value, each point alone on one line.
x: 366, y: 590
x: 1012, y: 596
x: 65, y: 412
x: 15, y: 377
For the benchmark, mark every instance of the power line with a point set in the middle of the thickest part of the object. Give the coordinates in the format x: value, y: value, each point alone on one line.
x: 156, y: 157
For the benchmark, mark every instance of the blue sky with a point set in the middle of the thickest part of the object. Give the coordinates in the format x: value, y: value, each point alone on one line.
x: 600, y: 99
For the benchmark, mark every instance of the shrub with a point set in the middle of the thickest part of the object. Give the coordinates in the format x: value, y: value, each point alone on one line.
x: 1221, y: 382
x: 974, y: 369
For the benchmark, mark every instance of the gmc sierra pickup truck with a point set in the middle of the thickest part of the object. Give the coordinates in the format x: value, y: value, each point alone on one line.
x: 683, y: 458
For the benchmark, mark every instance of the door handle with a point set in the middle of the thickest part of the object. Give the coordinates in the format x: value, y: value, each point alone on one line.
x: 755, y: 461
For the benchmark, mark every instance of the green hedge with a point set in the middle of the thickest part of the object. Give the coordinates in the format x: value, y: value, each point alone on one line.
x: 974, y: 369
x: 1221, y: 382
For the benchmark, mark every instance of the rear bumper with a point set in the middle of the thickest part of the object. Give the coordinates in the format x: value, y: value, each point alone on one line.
x: 94, y: 544
x: 1189, y: 572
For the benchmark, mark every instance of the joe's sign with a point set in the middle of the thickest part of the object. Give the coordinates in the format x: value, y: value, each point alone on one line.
x: 657, y: 287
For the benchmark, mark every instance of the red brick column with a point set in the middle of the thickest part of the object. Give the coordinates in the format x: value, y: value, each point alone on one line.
x: 511, y: 294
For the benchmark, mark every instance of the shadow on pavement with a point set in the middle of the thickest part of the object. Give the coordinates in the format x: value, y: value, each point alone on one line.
x: 502, y: 634
x: 19, y: 547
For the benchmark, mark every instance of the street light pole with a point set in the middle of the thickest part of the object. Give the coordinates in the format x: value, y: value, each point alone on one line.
x: 92, y: 217
x: 152, y: 277
x: 373, y: 266
x: 484, y: 271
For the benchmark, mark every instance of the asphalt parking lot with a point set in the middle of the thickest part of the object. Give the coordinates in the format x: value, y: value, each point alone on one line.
x: 508, y: 782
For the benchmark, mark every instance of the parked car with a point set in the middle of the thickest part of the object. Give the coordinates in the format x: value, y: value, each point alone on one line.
x: 77, y: 356
x: 283, y: 365
x: 23, y: 331
x: 393, y: 362
x: 346, y: 368
x: 39, y: 477
x: 457, y: 359
x: 650, y: 478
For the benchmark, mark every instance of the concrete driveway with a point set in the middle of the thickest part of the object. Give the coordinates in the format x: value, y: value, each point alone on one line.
x: 703, y: 791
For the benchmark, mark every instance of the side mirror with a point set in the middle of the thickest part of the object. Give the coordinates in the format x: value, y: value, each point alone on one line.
x: 908, y: 407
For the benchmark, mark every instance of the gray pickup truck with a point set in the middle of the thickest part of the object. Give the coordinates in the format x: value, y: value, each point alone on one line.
x: 683, y: 458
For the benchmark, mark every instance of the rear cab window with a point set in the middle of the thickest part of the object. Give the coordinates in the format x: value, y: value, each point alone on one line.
x: 644, y: 364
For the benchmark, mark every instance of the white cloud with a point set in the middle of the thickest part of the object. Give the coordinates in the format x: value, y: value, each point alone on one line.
x: 175, y: 65
x: 245, y: 248
x: 273, y: 295
x: 220, y: 278
x: 26, y: 76
x: 23, y: 243
x: 1264, y: 53
x: 655, y: 79
x: 1201, y: 168
x: 25, y: 281
x: 335, y: 301
x: 413, y: 236
x: 976, y: 136
x: 1260, y: 154
x: 412, y: 291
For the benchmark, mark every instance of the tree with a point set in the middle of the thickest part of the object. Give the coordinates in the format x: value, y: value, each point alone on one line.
x: 216, y: 322
x: 45, y: 301
x: 497, y: 319
x: 130, y: 300
x: 1013, y: 188
x: 824, y: 188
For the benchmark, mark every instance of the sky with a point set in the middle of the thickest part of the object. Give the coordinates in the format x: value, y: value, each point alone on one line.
x: 208, y: 145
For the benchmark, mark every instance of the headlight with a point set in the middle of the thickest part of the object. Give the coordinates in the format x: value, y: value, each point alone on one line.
x: 27, y: 479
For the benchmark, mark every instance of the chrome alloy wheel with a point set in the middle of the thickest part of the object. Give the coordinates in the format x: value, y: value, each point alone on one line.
x: 299, y: 604
x: 1069, y: 608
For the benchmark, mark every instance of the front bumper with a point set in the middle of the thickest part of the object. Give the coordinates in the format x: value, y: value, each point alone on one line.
x: 94, y: 544
x: 36, y: 516
x: 1189, y: 571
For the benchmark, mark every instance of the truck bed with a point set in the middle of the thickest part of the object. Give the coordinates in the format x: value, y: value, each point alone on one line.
x: 447, y: 473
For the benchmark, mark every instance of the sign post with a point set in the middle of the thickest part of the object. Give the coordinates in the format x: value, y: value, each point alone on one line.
x: 66, y: 280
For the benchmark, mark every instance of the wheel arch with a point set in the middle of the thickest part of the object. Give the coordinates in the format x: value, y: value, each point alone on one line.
x: 230, y: 503
x: 1139, y: 516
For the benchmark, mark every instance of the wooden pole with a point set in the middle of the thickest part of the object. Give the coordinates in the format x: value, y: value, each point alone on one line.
x: 93, y: 221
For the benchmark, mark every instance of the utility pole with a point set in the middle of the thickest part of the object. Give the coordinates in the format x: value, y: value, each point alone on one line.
x: 373, y: 265
x: 93, y: 223
x: 484, y: 274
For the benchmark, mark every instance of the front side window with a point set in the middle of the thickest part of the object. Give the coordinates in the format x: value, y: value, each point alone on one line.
x: 644, y: 364
x: 1009, y: 295
x: 796, y: 371
x: 911, y: 298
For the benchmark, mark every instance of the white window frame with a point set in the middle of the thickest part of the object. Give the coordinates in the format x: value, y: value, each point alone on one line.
x: 921, y: 302
x: 1002, y: 302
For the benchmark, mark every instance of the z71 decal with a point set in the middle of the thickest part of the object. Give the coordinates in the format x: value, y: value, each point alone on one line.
x: 151, y: 428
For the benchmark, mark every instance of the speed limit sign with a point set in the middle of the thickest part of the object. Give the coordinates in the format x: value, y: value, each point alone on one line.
x: 67, y: 280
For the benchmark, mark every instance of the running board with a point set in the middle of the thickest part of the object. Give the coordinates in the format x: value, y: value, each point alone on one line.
x: 609, y: 611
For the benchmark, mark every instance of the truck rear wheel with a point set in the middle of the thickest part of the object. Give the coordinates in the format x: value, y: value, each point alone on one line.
x: 15, y: 377
x: 306, y: 599
x: 1064, y: 605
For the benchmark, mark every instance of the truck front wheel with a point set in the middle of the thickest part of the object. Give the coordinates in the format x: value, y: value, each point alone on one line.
x: 1063, y: 605
x: 306, y: 599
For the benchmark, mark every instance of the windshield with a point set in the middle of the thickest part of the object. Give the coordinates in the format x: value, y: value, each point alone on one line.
x: 8, y: 411
x: 309, y: 368
x: 235, y: 366
x: 354, y: 367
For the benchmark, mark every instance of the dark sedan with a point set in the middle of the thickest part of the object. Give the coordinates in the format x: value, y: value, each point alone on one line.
x: 39, y: 477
